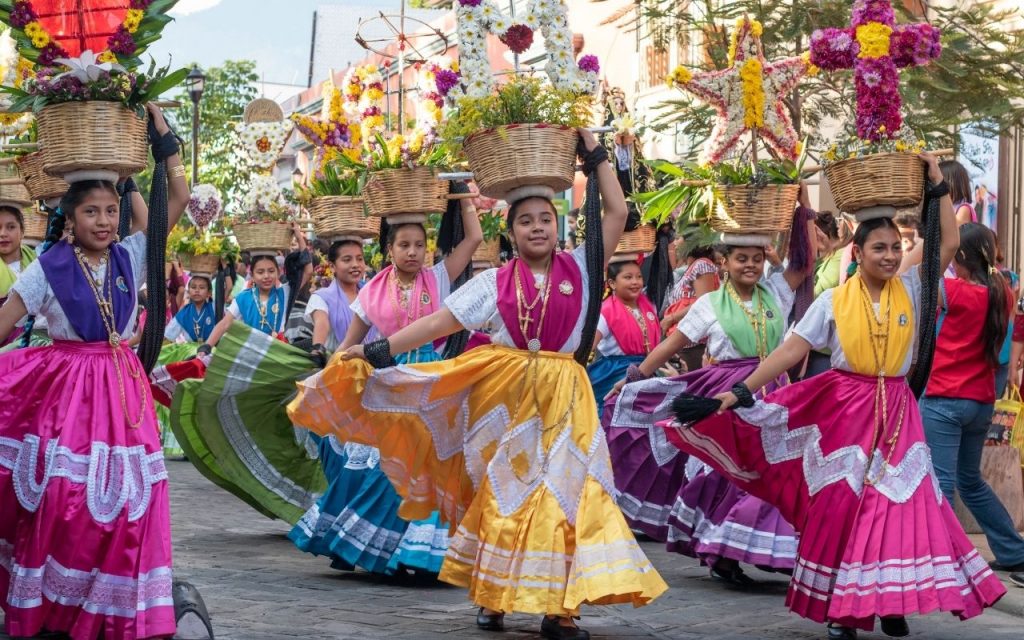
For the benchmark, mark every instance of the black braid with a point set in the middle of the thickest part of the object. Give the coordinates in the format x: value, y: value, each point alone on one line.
x: 594, y: 248
x: 218, y: 308
x: 156, y: 245
x: 124, y: 190
x: 451, y: 234
x: 54, y: 231
x: 930, y: 274
x: 657, y: 269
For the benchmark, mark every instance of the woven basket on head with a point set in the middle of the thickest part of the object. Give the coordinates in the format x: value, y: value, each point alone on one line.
x: 41, y: 185
x: 13, y: 190
x: 488, y: 251
x: 269, y: 237
x: 394, y: 191
x: 263, y: 110
x: 92, y: 136
x: 35, y: 225
x: 640, y: 240
x: 335, y: 216
x: 751, y: 209
x: 202, y: 263
x: 894, y: 179
x: 519, y: 155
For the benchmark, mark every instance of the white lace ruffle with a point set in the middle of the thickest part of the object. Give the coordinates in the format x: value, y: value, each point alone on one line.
x: 116, y: 478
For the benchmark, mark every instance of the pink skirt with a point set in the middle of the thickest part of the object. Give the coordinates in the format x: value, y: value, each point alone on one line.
x: 85, y: 537
x: 890, y: 546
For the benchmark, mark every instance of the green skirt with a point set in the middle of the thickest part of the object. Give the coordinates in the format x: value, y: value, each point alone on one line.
x: 169, y: 354
x: 233, y: 426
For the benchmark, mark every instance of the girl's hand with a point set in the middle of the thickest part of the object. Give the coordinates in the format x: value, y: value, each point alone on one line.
x: 727, y: 399
x: 354, y: 352
x: 668, y: 371
x: 934, y: 172
x: 668, y: 322
x: 587, y: 137
x: 772, y: 256
x: 616, y: 390
x: 157, y: 116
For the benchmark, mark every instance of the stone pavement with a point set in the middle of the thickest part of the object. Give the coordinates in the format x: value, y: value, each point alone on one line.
x: 259, y: 587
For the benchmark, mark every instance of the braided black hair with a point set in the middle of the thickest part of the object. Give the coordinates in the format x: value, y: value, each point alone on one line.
x: 594, y: 252
x: 930, y: 274
x: 55, y: 223
x: 449, y: 236
x: 124, y: 190
x: 156, y: 246
x: 657, y: 268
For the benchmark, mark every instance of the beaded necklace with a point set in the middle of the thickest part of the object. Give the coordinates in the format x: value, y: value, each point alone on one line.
x: 757, y: 318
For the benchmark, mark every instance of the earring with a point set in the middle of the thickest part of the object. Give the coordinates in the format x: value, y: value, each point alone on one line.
x: 117, y: 237
x: 71, y: 235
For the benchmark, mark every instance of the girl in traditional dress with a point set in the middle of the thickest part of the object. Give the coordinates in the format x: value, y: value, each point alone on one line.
x: 401, y: 293
x: 85, y: 545
x: 195, y: 321
x: 843, y: 454
x: 504, y: 439
x: 627, y: 330
x: 699, y: 276
x: 15, y: 256
x: 693, y: 508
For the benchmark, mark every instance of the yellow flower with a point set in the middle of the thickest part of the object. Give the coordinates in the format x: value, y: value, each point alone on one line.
x: 679, y: 77
x: 374, y: 94
x: 753, y: 93
x: 873, y: 38
x: 756, y: 29
x: 455, y: 66
x: 812, y: 70
x: 40, y: 40
x: 901, y: 146
x: 33, y: 29
x: 132, y: 20
x: 107, y: 56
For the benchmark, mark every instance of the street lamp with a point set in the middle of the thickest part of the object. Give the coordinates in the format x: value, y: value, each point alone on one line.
x: 195, y: 82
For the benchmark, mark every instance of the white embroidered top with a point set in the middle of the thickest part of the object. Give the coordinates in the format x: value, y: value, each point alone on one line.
x: 475, y: 305
x: 818, y: 325
x: 700, y: 323
x: 444, y: 286
x: 39, y: 299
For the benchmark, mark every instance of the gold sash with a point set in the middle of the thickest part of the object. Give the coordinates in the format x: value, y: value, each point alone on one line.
x: 854, y: 328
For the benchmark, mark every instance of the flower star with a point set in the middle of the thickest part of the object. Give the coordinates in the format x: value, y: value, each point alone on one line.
x: 87, y: 67
x: 747, y: 96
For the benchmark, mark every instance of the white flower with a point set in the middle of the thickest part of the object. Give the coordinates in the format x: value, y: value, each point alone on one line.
x: 87, y: 67
x: 500, y: 25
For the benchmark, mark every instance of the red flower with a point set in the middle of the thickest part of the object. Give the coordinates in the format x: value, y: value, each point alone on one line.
x: 518, y: 38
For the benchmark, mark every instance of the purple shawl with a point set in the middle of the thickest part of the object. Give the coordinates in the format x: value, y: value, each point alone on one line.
x: 339, y: 312
x: 564, y: 307
x: 75, y: 294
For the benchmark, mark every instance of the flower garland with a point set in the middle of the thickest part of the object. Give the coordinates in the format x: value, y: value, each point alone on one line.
x: 204, y: 205
x: 364, y: 98
x: 14, y: 70
x: 24, y: 18
x: 477, y: 18
x: 332, y: 133
x: 747, y: 96
x: 262, y: 142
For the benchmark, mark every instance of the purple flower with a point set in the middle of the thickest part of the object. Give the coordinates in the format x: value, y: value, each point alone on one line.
x: 122, y: 42
x: 49, y: 54
x: 518, y: 38
x: 831, y: 49
x: 865, y: 11
x: 446, y: 80
x: 21, y: 15
x: 589, y: 64
x: 470, y: 3
x: 141, y: 4
x: 878, y: 98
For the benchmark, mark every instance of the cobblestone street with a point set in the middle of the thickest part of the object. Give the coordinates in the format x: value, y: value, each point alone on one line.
x: 259, y: 587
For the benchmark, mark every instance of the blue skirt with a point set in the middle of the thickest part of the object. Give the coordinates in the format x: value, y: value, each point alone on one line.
x: 355, y: 522
x: 605, y: 372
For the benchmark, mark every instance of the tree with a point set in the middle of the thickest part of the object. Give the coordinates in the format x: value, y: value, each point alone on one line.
x: 978, y: 81
x: 229, y: 88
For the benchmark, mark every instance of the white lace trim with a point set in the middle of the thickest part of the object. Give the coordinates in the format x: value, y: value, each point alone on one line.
x: 626, y: 415
x: 115, y: 477
x: 351, y: 529
x: 92, y: 591
x: 425, y: 537
x: 359, y: 457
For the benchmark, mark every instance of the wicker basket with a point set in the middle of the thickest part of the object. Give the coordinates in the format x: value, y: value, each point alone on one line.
x: 749, y: 209
x: 41, y: 185
x: 893, y: 179
x: 640, y: 240
x: 512, y: 156
x: 200, y: 264
x: 92, y: 136
x: 488, y: 251
x: 335, y: 216
x: 35, y: 225
x: 263, y: 237
x: 394, y: 191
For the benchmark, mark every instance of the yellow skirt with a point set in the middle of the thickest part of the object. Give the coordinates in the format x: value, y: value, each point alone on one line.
x: 508, y: 445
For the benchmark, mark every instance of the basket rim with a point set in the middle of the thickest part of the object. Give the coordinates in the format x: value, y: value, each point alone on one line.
x: 520, y: 125
x: 900, y: 154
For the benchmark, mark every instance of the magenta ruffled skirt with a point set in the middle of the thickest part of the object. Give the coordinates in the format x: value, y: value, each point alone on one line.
x: 877, y: 538
x: 85, y: 537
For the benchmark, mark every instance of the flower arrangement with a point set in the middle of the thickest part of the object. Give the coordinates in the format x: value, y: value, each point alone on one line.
x: 478, y: 18
x: 262, y: 141
x: 323, y: 272
x: 444, y: 73
x: 493, y: 223
x: 265, y: 201
x: 333, y: 179
x: 904, y: 140
x: 521, y: 100
x: 198, y: 242
x: 334, y: 132
x: 875, y: 48
x: 204, y: 205
x: 748, y: 96
x: 14, y: 70
x: 364, y: 98
x: 33, y: 30
x: 435, y: 80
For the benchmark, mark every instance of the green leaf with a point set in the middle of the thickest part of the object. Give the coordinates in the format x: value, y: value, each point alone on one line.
x: 166, y: 83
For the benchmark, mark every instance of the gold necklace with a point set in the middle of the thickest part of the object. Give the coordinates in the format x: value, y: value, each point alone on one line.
x: 638, y: 315
x: 523, y: 309
x: 104, y: 302
x: 757, y: 319
x: 262, y: 311
x: 409, y: 311
x: 196, y: 323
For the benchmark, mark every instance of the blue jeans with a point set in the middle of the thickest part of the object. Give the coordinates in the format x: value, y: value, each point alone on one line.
x: 955, y: 430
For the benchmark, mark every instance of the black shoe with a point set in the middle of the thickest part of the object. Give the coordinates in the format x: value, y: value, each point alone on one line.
x: 551, y: 629
x: 490, y: 621
x: 838, y: 632
x: 734, y: 576
x: 1013, y: 568
x: 190, y: 613
x: 895, y: 627
x: 1017, y: 579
